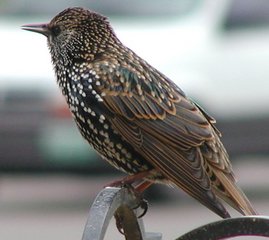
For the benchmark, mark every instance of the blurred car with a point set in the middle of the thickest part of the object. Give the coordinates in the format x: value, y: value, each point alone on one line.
x: 216, y: 51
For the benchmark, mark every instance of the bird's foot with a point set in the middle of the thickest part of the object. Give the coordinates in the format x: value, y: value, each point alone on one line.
x: 122, y: 216
x: 119, y: 223
x: 136, y: 191
x: 138, y: 194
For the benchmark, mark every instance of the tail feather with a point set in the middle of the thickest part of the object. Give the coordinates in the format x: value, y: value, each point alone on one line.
x: 233, y: 195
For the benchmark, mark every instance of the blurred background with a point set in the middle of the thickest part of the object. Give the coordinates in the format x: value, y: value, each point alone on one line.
x: 216, y: 51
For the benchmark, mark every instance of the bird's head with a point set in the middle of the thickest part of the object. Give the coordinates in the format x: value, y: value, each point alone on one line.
x: 76, y: 33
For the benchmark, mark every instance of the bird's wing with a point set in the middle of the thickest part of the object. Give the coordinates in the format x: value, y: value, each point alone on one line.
x: 165, y: 127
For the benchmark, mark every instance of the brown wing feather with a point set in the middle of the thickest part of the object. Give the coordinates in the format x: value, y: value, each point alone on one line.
x: 173, y: 134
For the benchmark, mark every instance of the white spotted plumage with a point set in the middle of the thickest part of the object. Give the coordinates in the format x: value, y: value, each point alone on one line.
x: 149, y: 124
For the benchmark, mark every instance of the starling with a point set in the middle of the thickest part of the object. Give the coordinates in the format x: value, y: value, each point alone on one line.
x: 134, y: 116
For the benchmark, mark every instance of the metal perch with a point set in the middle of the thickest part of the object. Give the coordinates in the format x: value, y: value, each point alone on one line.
x: 120, y: 202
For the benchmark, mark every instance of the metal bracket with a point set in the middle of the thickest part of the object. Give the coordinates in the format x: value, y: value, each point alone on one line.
x: 119, y: 201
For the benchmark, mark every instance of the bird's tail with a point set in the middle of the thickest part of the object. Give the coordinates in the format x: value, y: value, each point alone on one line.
x: 233, y: 195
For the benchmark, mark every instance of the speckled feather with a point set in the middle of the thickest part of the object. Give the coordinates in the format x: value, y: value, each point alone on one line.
x: 134, y: 116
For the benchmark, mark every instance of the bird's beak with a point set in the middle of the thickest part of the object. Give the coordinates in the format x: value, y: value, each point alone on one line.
x: 38, y: 28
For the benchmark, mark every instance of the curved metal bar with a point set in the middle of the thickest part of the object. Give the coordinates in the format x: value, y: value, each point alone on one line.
x: 232, y: 227
x: 119, y: 201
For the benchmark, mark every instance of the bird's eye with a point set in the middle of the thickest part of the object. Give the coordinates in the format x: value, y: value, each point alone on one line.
x: 56, y: 31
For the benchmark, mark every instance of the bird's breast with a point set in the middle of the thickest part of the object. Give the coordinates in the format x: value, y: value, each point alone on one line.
x: 92, y: 119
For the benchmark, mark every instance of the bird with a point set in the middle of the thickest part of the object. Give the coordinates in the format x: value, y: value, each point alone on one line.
x: 135, y: 117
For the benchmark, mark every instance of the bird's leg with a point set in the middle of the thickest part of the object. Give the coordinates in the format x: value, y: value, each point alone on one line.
x: 136, y: 190
x: 143, y: 203
x: 129, y: 179
x: 141, y: 187
x: 140, y: 201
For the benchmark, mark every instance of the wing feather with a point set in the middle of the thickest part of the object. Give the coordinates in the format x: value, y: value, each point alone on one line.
x: 170, y: 131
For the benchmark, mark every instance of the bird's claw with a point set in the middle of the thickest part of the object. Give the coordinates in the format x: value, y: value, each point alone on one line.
x: 143, y: 204
x: 119, y: 223
x: 140, y: 201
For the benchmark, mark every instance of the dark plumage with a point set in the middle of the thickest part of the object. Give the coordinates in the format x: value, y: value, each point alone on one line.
x: 134, y: 116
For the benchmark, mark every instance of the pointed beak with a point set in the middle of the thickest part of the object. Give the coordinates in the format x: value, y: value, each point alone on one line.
x: 38, y: 28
